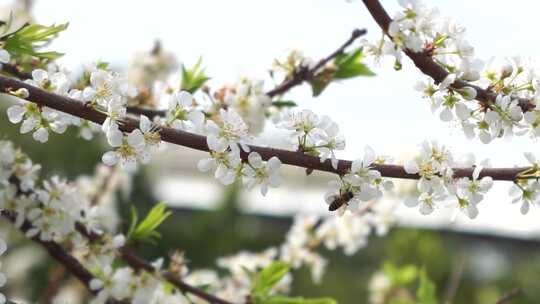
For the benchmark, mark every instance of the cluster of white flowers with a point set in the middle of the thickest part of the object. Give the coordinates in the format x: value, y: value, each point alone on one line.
x: 295, y: 61
x: 437, y: 184
x: 104, y: 91
x: 41, y: 120
x: 361, y: 184
x: 527, y: 190
x: 313, y: 134
x: 226, y: 138
x: 420, y: 29
x: 307, y: 233
x: 248, y: 99
x: 182, y: 113
x: 51, y: 213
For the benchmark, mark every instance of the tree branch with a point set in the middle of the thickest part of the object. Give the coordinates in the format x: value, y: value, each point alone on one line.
x: 430, y: 68
x: 71, y: 264
x: 510, y: 295
x: 198, y: 142
x: 61, y: 256
x: 298, y: 77
x: 15, y: 71
x: 307, y: 73
x: 138, y: 263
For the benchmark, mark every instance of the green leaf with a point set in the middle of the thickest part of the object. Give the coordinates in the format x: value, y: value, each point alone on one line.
x: 402, y: 275
x: 321, y: 81
x: 145, y: 231
x: 352, y: 71
x: 426, y: 292
x: 31, y: 37
x: 268, y: 277
x: 284, y: 104
x: 350, y: 65
x: 134, y: 219
x: 193, y: 78
x: 297, y: 300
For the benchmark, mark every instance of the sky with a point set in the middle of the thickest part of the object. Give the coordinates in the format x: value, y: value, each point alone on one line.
x: 242, y: 37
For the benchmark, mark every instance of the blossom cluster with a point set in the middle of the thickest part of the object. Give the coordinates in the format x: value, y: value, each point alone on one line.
x: 419, y: 29
x: 223, y: 121
x: 313, y: 134
x: 307, y: 233
x: 527, y: 190
x: 51, y: 211
x: 362, y: 184
x: 437, y: 184
x: 248, y: 98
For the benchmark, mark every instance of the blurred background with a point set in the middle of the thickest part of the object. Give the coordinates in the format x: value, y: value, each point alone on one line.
x: 488, y: 256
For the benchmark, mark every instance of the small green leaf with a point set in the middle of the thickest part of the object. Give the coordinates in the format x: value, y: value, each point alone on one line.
x: 31, y: 37
x: 402, y: 275
x: 426, y: 292
x: 193, y: 78
x: 145, y: 231
x: 284, y: 104
x: 268, y: 277
x: 134, y: 219
x: 350, y: 65
x: 352, y: 71
x: 321, y: 81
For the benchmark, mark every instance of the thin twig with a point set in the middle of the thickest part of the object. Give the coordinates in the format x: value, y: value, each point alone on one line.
x: 298, y: 77
x: 77, y: 269
x: 198, y: 142
x: 307, y: 73
x: 15, y: 70
x: 138, y: 263
x: 58, y: 253
x: 510, y: 295
x: 427, y: 66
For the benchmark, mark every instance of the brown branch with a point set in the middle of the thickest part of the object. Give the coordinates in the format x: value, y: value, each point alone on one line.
x: 53, y: 286
x: 15, y: 70
x: 198, y: 142
x: 80, y: 272
x: 510, y: 295
x: 306, y: 74
x: 429, y: 67
x: 58, y: 253
x: 138, y: 263
x: 298, y: 77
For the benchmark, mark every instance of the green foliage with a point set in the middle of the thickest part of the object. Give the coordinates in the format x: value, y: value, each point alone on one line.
x: 193, y: 78
x: 321, y: 81
x: 400, y: 275
x: 284, y: 104
x: 350, y: 65
x: 267, y: 278
x: 402, y: 278
x: 31, y: 37
x: 145, y: 231
x: 426, y: 292
x: 346, y: 66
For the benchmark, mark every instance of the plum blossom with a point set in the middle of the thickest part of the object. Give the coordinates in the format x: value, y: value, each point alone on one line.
x: 182, y: 114
x: 228, y: 132
x: 256, y: 172
x: 128, y: 149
